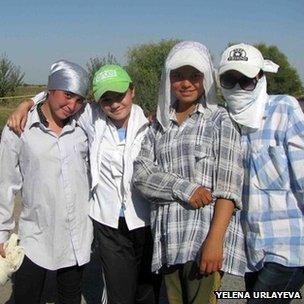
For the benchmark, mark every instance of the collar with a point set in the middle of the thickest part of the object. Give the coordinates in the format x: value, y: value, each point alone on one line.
x: 33, y: 117
x: 42, y: 117
x: 200, y: 107
x: 37, y: 117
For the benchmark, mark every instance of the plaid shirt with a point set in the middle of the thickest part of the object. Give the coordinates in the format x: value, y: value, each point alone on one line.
x: 205, y: 150
x: 273, y: 187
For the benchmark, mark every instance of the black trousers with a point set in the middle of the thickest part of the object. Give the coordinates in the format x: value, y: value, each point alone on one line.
x: 29, y: 281
x: 126, y: 262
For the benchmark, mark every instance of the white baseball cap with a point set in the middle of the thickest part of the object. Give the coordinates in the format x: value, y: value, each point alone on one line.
x: 245, y: 59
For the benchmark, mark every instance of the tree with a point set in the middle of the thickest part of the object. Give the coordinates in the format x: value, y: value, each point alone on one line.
x: 287, y: 80
x: 10, y: 76
x: 301, y: 102
x: 145, y: 63
x: 95, y: 63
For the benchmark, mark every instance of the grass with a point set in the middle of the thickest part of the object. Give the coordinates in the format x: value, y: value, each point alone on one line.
x: 7, y: 106
x: 29, y: 90
x: 4, y: 113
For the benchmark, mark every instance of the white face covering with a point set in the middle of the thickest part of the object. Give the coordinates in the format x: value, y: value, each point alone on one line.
x: 247, y: 107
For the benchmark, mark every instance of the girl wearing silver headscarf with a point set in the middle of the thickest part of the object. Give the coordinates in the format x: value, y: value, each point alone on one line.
x: 48, y: 163
x: 190, y: 168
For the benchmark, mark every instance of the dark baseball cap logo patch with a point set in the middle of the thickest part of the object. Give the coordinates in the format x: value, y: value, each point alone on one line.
x: 237, y: 55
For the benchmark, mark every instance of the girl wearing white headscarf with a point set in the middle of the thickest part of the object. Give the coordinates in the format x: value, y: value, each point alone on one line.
x: 190, y: 152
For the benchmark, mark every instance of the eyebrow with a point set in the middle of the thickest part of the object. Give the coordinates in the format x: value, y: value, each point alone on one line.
x: 113, y: 96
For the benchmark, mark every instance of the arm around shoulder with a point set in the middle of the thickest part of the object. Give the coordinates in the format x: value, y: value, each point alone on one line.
x: 17, y: 120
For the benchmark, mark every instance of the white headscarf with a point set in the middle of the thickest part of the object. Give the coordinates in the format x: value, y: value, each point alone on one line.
x: 185, y: 53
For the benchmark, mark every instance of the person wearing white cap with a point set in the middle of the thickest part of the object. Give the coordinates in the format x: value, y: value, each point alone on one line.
x: 272, y: 128
x: 49, y: 164
x: 190, y: 168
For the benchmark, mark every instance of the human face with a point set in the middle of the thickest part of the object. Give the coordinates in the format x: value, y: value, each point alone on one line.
x: 64, y: 104
x: 229, y: 79
x: 117, y: 106
x: 187, y: 84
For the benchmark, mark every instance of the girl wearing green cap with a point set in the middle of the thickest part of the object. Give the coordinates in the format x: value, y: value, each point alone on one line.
x: 121, y: 216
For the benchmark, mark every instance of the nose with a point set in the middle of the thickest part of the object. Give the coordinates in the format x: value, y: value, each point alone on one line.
x: 114, y: 105
x: 185, y: 83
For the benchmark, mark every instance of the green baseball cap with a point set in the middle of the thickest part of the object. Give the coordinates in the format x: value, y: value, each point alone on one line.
x: 110, y: 77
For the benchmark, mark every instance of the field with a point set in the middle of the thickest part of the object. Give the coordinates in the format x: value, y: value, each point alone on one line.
x: 8, y: 105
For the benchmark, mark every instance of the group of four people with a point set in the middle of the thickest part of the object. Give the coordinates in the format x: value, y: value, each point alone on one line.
x: 199, y: 175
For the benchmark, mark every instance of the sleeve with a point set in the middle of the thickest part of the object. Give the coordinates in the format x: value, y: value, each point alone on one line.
x: 156, y: 185
x: 228, y: 171
x: 10, y: 180
x: 39, y: 98
x: 294, y: 141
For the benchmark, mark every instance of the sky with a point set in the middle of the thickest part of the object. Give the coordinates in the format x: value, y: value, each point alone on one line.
x: 33, y: 34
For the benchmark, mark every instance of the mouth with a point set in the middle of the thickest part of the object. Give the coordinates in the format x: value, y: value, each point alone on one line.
x: 186, y: 93
x: 116, y: 111
x: 67, y: 113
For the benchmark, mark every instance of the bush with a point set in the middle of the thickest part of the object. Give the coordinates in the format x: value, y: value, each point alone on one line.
x: 287, y: 80
x: 10, y: 76
x: 145, y: 63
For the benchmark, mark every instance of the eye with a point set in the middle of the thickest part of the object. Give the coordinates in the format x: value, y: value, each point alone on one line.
x: 80, y: 100
x: 197, y: 76
x: 105, y: 100
x: 175, y: 76
x: 68, y: 95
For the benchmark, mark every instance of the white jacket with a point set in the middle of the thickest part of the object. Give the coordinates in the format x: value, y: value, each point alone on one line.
x: 104, y: 209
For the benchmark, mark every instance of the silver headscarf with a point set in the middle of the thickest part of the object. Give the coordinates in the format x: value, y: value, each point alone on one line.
x: 68, y: 76
x: 184, y: 53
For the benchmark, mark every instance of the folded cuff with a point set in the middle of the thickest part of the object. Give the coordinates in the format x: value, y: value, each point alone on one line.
x: 183, y: 190
x: 229, y: 196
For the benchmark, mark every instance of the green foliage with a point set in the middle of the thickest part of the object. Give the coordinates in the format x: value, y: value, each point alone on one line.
x: 301, y: 102
x: 145, y: 63
x: 10, y: 76
x: 4, y: 113
x: 287, y: 80
x: 94, y: 64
